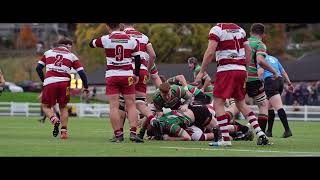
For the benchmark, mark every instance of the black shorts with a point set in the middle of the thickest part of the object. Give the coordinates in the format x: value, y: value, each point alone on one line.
x: 254, y: 88
x: 202, y: 98
x: 202, y: 115
x: 273, y: 86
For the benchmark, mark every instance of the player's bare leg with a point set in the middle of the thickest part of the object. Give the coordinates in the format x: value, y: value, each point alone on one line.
x: 47, y: 109
x: 115, y: 117
x: 132, y: 116
x: 262, y: 103
x: 249, y: 115
x: 64, y: 121
x: 145, y: 110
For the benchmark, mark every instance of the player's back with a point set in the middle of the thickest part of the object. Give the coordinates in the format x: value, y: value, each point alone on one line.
x: 119, y: 49
x: 143, y: 42
x: 257, y: 47
x: 230, y: 53
x: 58, y: 62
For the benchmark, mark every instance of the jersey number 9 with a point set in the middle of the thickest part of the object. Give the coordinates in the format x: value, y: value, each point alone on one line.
x: 119, y: 53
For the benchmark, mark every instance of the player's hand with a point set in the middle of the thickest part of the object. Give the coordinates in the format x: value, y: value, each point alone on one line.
x: 136, y: 79
x: 165, y: 137
x: 189, y: 131
x: 183, y: 108
x: 275, y: 76
x: 85, y: 92
x: 290, y: 87
x: 199, y: 77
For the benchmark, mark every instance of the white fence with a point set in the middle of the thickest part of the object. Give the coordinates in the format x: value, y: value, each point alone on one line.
x: 305, y: 113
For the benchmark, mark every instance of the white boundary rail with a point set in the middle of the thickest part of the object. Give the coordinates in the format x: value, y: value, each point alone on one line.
x: 304, y: 113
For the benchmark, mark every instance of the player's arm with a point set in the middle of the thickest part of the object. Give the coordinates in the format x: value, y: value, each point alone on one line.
x: 248, y: 54
x: 207, y: 82
x: 137, y: 58
x: 286, y: 76
x: 2, y: 80
x: 156, y: 80
x: 173, y: 81
x: 260, y: 72
x: 262, y: 62
x: 207, y: 58
x: 180, y: 135
x: 155, y: 76
x: 40, y: 66
x: 182, y: 80
x: 152, y: 55
x: 184, y: 95
x: 80, y: 70
x: 94, y: 43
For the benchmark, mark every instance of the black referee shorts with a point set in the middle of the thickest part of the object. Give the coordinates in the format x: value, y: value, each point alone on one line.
x: 273, y: 86
x: 254, y: 88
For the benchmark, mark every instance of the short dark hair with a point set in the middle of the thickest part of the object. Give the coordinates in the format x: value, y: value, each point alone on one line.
x: 113, y: 25
x: 257, y: 28
x: 192, y: 60
x: 64, y: 41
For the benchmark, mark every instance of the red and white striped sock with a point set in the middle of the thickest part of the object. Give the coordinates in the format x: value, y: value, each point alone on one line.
x: 133, y: 130
x: 254, y: 123
x: 151, y: 118
x: 54, y: 119
x: 223, y: 124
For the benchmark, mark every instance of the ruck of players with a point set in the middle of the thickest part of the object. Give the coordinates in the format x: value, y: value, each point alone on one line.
x: 204, y: 109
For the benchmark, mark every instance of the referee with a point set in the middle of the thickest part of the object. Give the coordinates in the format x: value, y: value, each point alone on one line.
x: 273, y: 88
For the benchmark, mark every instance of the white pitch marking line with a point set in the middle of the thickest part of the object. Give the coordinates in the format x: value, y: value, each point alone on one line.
x: 242, y: 150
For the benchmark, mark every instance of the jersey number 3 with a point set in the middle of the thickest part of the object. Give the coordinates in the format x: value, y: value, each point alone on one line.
x: 119, y: 53
x: 59, y: 60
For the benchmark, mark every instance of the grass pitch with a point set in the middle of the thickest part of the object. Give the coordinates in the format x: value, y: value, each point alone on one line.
x: 26, y: 137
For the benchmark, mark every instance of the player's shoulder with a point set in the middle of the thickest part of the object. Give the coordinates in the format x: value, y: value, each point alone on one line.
x: 73, y: 56
x: 261, y: 44
x: 215, y: 28
x: 156, y: 95
x: 105, y: 37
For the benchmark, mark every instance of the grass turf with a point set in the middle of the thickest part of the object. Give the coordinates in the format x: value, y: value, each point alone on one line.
x: 26, y: 137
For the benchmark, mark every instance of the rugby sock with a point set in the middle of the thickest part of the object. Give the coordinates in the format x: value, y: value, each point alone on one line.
x: 133, y: 130
x: 283, y: 117
x: 64, y: 127
x: 223, y: 122
x: 118, y: 133
x: 54, y: 119
x: 229, y: 116
x: 151, y: 118
x: 254, y: 123
x: 271, y: 120
x: 262, y: 120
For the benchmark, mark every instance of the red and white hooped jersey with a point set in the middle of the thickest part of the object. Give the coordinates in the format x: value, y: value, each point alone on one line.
x: 120, y: 49
x: 59, y: 62
x: 143, y: 42
x: 230, y: 53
